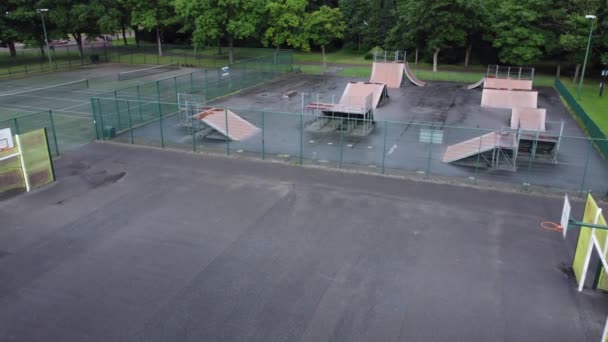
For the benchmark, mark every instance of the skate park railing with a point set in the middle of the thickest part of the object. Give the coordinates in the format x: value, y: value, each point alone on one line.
x: 410, y: 149
x: 590, y: 126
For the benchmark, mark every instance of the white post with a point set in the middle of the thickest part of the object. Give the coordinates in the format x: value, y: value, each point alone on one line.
x: 25, y: 178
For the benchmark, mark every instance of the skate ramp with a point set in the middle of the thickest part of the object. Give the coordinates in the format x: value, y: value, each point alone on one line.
x: 509, y: 99
x: 476, y: 84
x: 528, y: 119
x: 356, y: 94
x: 236, y: 129
x: 472, y: 147
x: 410, y: 76
x: 388, y: 73
x: 507, y: 83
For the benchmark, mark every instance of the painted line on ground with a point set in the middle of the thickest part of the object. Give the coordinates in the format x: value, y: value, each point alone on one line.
x: 392, y: 149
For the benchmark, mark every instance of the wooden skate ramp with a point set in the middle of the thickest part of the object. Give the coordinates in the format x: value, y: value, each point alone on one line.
x: 388, y: 73
x: 501, y: 98
x: 528, y: 119
x: 507, y: 83
x: 476, y: 84
x: 484, y: 143
x: 412, y: 77
x: 356, y: 93
x: 237, y: 128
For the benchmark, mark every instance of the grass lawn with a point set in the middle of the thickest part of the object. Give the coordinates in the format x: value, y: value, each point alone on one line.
x: 592, y: 103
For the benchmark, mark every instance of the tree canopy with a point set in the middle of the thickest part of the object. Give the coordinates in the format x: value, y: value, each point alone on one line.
x: 497, y: 31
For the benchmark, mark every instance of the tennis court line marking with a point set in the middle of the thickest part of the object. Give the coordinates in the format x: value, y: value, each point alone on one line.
x: 50, y: 98
x: 41, y: 109
x: 80, y: 104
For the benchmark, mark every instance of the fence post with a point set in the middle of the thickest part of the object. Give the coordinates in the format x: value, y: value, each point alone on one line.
x: 54, y: 132
x: 17, y: 131
x: 160, y: 121
x: 117, y: 107
x: 193, y: 136
x: 227, y: 134
x: 175, y: 87
x: 191, y: 83
x: 263, y: 138
x: 580, y: 192
x: 141, y: 118
x: 428, y: 165
x: 301, y: 137
x: 206, y: 86
x: 384, y: 146
x: 103, y: 135
x: 158, y: 91
x: 341, y: 140
x: 532, y: 156
x: 94, y: 118
x: 478, y: 159
x: 130, y: 121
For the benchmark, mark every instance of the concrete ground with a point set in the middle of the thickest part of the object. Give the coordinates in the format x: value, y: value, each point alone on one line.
x: 135, y: 244
x: 395, y: 141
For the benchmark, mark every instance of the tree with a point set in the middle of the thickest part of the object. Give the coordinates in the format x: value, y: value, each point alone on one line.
x: 77, y: 18
x: 324, y: 26
x: 286, y: 23
x: 382, y: 18
x: 9, y: 32
x: 215, y: 20
x: 117, y: 16
x: 440, y: 24
x: 357, y: 14
x: 19, y: 22
x: 515, y: 30
x: 575, y: 31
x: 153, y: 15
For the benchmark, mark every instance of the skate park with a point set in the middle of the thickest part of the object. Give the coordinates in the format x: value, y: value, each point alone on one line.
x: 408, y: 134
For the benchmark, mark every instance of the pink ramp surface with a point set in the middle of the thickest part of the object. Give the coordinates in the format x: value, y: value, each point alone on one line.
x: 477, y: 145
x: 410, y: 76
x: 356, y: 94
x: 528, y: 119
x: 238, y: 128
x: 476, y: 84
x: 506, y: 83
x: 389, y: 73
x: 499, y: 98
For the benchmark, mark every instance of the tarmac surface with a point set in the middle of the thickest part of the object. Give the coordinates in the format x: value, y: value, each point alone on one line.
x: 395, y: 143
x: 136, y: 244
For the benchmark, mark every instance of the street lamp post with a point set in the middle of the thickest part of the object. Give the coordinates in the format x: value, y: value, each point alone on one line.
x: 46, y: 38
x: 580, y: 84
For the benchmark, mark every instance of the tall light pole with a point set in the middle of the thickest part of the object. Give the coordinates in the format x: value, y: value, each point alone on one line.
x: 46, y: 38
x: 580, y: 84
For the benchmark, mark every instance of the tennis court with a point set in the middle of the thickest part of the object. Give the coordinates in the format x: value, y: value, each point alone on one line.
x: 67, y: 95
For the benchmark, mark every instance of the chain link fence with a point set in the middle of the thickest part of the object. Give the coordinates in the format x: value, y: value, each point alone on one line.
x: 32, y: 122
x: 394, y: 148
x: 69, y: 56
x: 590, y: 126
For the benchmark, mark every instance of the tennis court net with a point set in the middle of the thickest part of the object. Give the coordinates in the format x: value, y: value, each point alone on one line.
x: 128, y: 75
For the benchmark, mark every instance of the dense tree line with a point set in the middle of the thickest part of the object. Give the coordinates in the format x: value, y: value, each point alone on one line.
x: 454, y: 31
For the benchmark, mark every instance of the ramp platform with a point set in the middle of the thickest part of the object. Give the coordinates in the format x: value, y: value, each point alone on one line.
x: 236, y: 128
